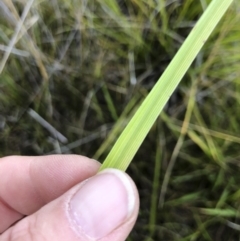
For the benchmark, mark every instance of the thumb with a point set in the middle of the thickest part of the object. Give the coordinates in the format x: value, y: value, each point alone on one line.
x: 103, y: 207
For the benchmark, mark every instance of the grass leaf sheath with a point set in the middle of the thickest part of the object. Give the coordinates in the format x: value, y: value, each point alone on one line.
x: 135, y: 132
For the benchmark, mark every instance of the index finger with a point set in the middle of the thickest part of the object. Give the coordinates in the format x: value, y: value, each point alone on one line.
x: 28, y: 183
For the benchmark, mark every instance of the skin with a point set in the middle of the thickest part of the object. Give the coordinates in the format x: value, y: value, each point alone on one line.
x: 33, y: 196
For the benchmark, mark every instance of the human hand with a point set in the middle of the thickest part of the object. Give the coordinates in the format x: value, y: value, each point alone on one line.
x: 60, y: 198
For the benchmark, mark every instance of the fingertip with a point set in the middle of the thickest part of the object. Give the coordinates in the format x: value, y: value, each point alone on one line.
x: 103, y: 204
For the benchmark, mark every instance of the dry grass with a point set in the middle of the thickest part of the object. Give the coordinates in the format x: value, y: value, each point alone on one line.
x: 85, y: 66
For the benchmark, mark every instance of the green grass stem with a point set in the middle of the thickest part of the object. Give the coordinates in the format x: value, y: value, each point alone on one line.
x: 133, y: 135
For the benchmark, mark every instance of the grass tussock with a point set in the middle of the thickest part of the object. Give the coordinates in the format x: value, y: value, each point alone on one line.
x: 74, y: 72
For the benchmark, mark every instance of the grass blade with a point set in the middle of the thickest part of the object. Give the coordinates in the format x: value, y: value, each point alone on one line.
x: 133, y: 135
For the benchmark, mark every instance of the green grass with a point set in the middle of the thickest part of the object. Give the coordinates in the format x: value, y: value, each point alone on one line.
x: 135, y: 132
x: 87, y: 68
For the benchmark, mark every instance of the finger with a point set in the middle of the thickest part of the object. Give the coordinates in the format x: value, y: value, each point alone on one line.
x: 28, y: 183
x: 102, y: 208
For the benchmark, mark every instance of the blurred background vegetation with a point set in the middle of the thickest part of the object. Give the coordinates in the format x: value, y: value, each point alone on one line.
x: 78, y: 70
